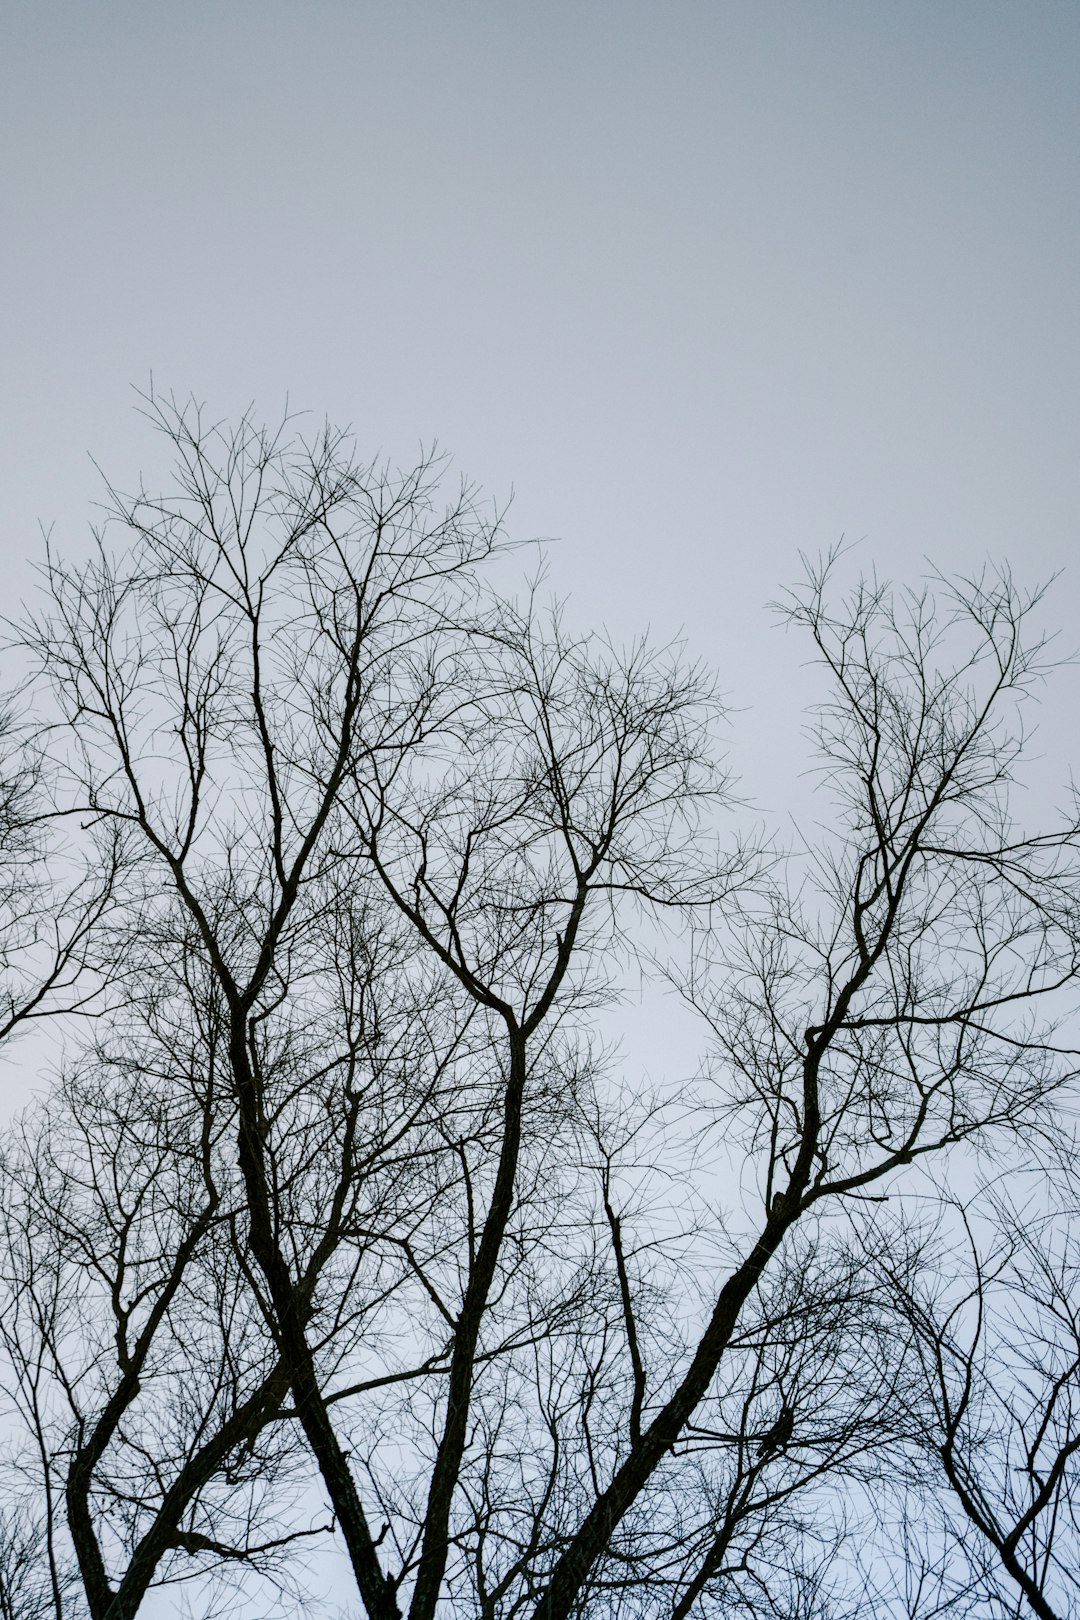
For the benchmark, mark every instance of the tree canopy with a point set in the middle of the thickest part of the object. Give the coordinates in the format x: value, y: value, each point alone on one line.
x: 348, y: 1218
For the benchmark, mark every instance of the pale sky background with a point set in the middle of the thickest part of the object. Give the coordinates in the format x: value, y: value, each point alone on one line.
x: 707, y: 284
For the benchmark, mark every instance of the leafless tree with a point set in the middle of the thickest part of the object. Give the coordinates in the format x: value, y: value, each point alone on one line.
x: 530, y: 1380
x: 997, y: 1331
x: 144, y: 1383
x: 879, y: 1005
x: 51, y: 906
x: 134, y: 1329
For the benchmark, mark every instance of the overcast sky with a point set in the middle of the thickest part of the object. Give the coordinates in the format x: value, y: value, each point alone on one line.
x: 707, y: 284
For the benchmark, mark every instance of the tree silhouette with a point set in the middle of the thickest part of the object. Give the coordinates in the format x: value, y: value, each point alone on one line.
x: 376, y: 1198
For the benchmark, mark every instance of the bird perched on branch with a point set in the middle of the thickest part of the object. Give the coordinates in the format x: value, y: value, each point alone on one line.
x: 778, y: 1436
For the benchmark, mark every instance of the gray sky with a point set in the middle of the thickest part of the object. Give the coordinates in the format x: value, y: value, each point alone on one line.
x: 707, y: 283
